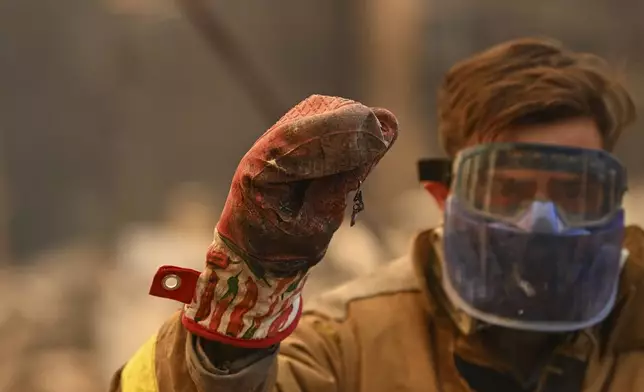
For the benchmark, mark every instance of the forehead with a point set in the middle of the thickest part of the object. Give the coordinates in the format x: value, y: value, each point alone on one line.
x: 577, y: 132
x: 525, y: 174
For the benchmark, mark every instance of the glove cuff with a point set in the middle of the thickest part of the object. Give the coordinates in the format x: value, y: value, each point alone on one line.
x: 233, y: 306
x: 255, y: 342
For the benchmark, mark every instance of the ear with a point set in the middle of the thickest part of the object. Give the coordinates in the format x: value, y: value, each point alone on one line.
x: 438, y: 191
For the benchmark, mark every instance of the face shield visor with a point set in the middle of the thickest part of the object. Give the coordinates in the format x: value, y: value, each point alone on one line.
x: 533, y: 235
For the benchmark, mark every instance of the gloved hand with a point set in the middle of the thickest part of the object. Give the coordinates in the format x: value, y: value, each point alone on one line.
x: 287, y: 198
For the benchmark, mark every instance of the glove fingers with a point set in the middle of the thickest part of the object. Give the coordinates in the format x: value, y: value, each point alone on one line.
x: 289, y: 223
x: 289, y: 194
x: 388, y: 125
x: 322, y: 145
x: 326, y: 197
x: 288, y: 206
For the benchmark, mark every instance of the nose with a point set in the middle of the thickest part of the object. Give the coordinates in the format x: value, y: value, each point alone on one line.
x: 541, y: 217
x: 541, y: 191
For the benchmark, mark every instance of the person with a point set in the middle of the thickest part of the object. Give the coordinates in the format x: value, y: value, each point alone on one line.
x: 532, y: 283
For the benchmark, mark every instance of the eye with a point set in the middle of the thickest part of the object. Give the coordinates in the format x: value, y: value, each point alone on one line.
x: 513, y: 188
x: 507, y: 187
x: 572, y: 190
x: 565, y: 189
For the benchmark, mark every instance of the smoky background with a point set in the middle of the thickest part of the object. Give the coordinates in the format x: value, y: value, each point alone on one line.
x: 121, y: 126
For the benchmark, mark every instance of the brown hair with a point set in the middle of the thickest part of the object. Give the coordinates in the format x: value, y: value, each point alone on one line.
x: 525, y: 82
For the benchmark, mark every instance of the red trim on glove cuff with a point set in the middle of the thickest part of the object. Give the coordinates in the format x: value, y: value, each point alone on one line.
x: 199, y: 330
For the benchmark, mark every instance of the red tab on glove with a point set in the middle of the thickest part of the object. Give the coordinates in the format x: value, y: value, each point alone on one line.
x: 175, y: 283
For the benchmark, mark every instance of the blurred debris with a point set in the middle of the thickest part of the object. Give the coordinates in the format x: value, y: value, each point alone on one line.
x: 47, y: 322
x: 181, y: 238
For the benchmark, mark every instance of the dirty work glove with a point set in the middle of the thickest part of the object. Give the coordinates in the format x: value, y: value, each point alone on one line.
x: 287, y: 198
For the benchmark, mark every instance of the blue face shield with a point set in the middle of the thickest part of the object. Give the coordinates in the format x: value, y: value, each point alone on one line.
x: 533, y: 235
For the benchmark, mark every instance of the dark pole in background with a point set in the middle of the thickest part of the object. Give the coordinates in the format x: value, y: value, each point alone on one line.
x: 5, y: 253
x: 265, y: 98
